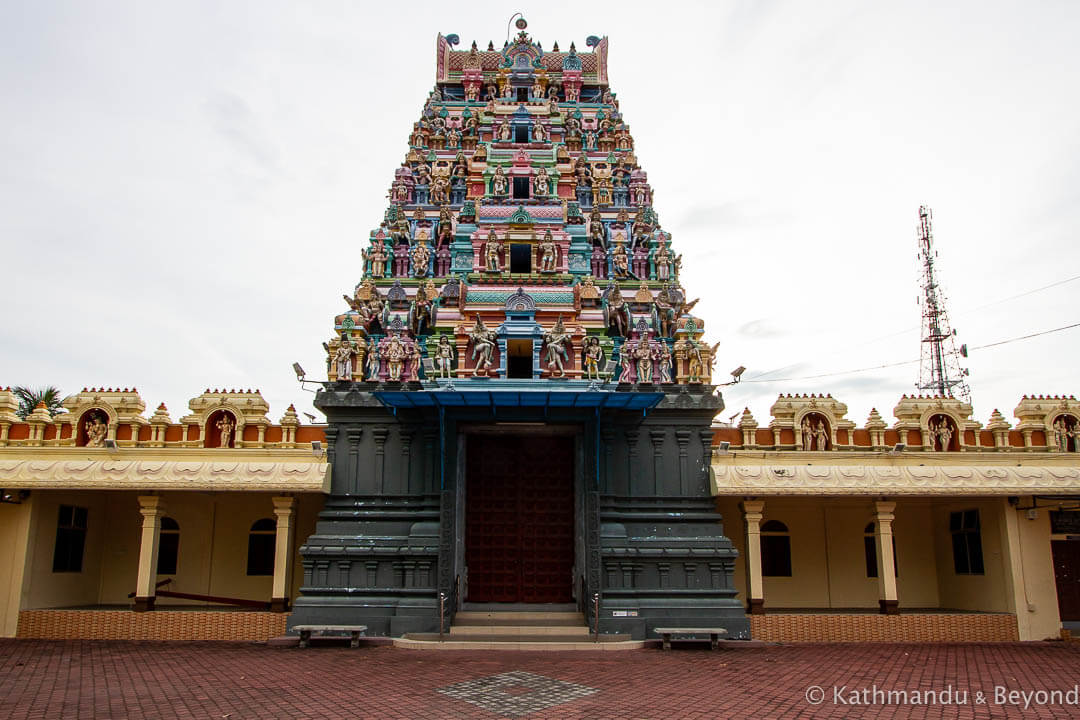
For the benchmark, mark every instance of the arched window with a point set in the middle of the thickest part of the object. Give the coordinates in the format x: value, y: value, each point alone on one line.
x: 261, y: 541
x: 870, y: 550
x: 168, y: 546
x: 775, y: 549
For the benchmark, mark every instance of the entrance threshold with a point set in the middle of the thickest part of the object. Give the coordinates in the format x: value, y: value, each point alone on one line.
x: 519, y: 607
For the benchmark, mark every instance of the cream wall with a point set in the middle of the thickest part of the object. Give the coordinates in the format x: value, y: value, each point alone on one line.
x: 1036, y: 591
x: 986, y: 592
x: 14, y: 540
x: 46, y: 589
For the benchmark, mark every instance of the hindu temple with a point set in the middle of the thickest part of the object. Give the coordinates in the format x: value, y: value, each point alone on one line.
x: 519, y: 397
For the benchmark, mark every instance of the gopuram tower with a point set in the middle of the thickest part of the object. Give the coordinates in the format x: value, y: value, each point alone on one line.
x: 518, y: 397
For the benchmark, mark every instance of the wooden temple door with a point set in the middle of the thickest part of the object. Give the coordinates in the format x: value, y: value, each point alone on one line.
x: 1067, y: 573
x: 519, y: 518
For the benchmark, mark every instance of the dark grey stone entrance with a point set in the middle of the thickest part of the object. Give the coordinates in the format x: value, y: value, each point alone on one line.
x: 392, y: 533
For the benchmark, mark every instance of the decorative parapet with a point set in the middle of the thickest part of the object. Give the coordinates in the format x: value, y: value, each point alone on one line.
x: 289, y: 423
x: 9, y: 404
x: 112, y: 407
x: 1056, y: 418
x: 941, y: 423
x: 876, y: 427
x: 213, y: 411
x: 37, y: 420
x: 748, y: 425
x: 159, y: 424
x: 813, y: 421
x: 999, y: 427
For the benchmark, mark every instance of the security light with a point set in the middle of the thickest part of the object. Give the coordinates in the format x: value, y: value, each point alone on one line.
x: 723, y: 447
x: 737, y: 373
x: 899, y: 448
x: 110, y: 445
x: 316, y: 448
x: 300, y: 374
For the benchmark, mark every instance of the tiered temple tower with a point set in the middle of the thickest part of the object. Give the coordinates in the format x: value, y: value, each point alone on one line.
x: 518, y: 397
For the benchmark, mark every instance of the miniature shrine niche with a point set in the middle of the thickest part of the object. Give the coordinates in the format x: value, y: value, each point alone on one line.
x: 520, y: 172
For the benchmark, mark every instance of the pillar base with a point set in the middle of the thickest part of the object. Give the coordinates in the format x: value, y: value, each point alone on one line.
x: 279, y: 605
x: 756, y: 606
x: 144, y: 604
x: 889, y: 607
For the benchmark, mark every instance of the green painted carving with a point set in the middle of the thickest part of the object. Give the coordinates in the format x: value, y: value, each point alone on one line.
x: 521, y: 216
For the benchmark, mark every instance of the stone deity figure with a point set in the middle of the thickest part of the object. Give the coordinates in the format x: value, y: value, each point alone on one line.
x: 664, y: 361
x: 557, y: 342
x: 377, y: 256
x: 394, y: 353
x: 548, y: 253
x: 508, y: 91
x: 492, y: 91
x: 821, y: 435
x: 440, y: 188
x: 225, y: 425
x: 1075, y: 435
x: 453, y: 138
x: 944, y: 435
x: 343, y: 358
x: 420, y: 255
x: 582, y: 171
x: 539, y: 132
x: 807, y: 434
x: 619, y: 261
x: 541, y: 183
x: 499, y: 182
x: 640, y: 195
x: 616, y: 313
x: 537, y: 88
x: 663, y: 262
x: 696, y: 366
x: 483, y: 341
x: 444, y: 357
x: 492, y: 253
x: 643, y: 354
x: 1061, y: 435
x: 505, y: 133
x: 422, y: 172
x: 96, y: 431
x: 373, y: 363
x: 594, y: 355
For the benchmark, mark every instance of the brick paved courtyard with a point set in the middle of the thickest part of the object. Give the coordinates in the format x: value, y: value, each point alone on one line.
x: 105, y: 679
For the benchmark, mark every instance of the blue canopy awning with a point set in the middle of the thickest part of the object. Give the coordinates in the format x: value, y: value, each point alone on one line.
x: 519, y: 398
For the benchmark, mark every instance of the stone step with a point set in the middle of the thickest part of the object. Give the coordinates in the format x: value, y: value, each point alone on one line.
x: 474, y: 617
x: 464, y: 631
x: 430, y: 641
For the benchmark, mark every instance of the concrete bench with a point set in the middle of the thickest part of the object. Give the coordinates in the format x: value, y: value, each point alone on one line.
x: 666, y: 633
x: 353, y: 630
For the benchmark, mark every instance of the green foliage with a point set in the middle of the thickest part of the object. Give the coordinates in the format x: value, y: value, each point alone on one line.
x: 30, y: 397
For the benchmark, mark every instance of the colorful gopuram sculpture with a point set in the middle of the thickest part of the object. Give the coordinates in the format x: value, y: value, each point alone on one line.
x: 520, y: 181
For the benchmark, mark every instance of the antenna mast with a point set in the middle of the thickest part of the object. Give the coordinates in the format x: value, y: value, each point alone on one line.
x: 939, y: 368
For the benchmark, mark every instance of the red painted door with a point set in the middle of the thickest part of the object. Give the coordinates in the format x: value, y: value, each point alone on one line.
x: 519, y: 518
x: 1067, y: 574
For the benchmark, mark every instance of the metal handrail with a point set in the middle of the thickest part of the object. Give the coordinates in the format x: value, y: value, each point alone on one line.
x: 596, y: 617
x: 442, y: 614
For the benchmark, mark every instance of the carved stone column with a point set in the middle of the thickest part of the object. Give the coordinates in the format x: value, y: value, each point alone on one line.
x: 380, y: 434
x: 753, y: 511
x: 883, y: 540
x: 683, y: 438
x: 151, y: 507
x: 657, y: 437
x: 284, y: 510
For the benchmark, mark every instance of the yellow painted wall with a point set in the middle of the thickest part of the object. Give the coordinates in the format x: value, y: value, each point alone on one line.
x: 1037, y: 612
x: 986, y: 592
x: 46, y: 589
x: 14, y: 539
x: 735, y: 530
x: 808, y: 585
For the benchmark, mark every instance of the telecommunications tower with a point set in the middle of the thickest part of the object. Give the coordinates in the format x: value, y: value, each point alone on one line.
x: 939, y: 368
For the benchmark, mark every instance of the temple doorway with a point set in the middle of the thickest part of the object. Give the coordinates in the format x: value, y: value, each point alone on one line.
x: 519, y: 518
x: 1067, y: 574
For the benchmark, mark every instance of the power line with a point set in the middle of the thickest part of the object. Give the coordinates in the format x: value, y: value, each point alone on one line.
x: 910, y: 362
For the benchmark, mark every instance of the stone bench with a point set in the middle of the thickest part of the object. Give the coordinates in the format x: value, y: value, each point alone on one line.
x: 353, y: 630
x: 666, y: 632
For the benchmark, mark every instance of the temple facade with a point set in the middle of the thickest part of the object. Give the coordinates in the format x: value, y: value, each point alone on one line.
x: 521, y: 414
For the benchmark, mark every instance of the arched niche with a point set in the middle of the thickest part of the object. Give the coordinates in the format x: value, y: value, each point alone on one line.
x: 943, y: 432
x: 89, y: 433
x: 1063, y: 432
x: 215, y: 426
x: 816, y: 431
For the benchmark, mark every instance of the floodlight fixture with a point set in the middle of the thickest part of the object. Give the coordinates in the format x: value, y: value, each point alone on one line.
x: 317, y: 448
x: 898, y: 448
x: 300, y: 374
x: 723, y: 447
x: 110, y: 445
x: 311, y: 418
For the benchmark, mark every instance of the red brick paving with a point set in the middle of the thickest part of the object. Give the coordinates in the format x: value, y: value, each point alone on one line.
x: 114, y: 679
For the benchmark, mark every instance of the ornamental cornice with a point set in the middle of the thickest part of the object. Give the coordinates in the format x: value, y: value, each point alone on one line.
x: 761, y: 476
x: 49, y: 471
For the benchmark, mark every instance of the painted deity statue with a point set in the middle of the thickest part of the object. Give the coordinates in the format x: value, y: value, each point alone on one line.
x: 499, y: 182
x: 483, y: 341
x: 440, y: 188
x: 663, y: 262
x: 594, y: 356
x: 619, y: 260
x: 444, y: 357
x: 343, y: 358
x: 395, y: 354
x: 225, y: 426
x: 807, y: 430
x: 539, y: 132
x: 616, y: 312
x: 377, y: 257
x: 643, y: 355
x: 696, y: 365
x: 558, y: 343
x: 541, y: 183
x: 821, y: 435
x: 548, y: 253
x: 664, y: 362
x: 420, y: 255
x: 505, y: 132
x: 96, y: 431
x: 492, y: 253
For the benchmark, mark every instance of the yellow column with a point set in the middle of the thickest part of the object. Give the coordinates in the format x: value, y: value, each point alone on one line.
x: 886, y: 562
x: 284, y: 509
x: 152, y: 508
x: 752, y: 514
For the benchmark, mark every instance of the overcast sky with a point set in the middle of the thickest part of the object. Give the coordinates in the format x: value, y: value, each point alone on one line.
x: 186, y: 187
